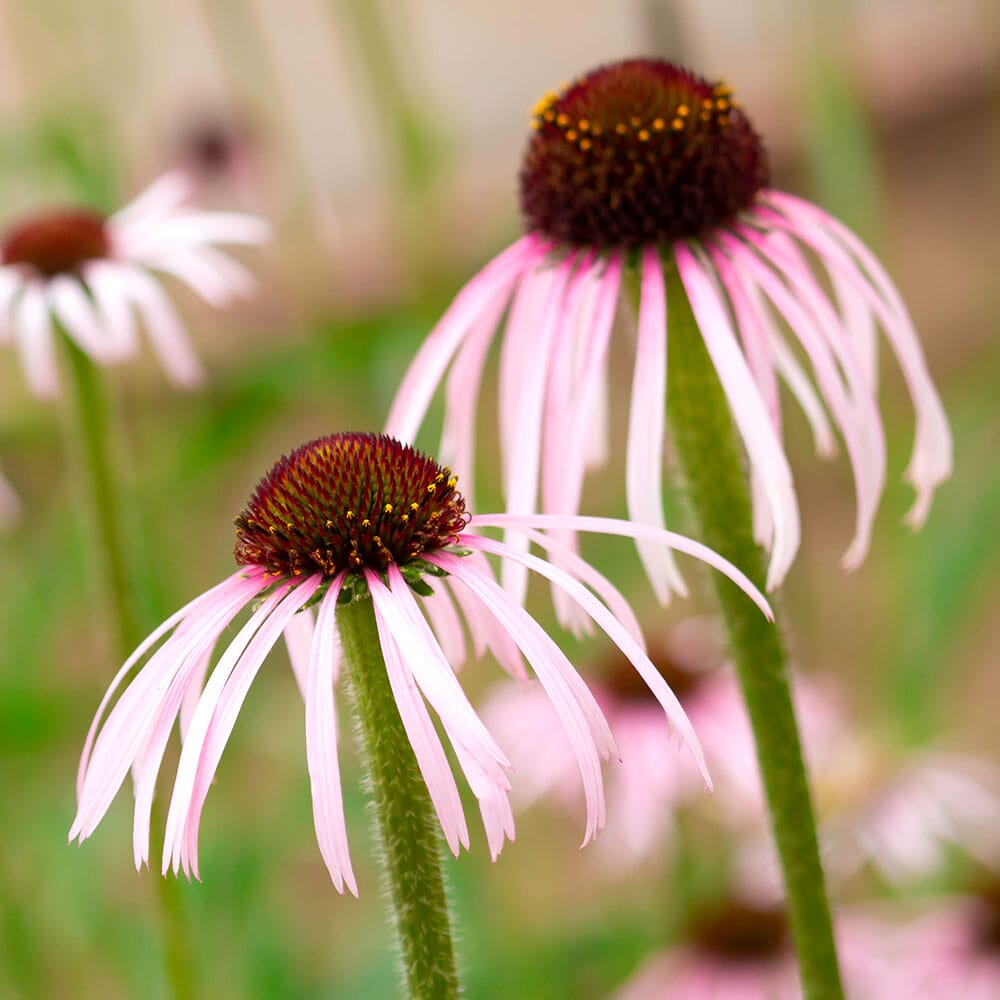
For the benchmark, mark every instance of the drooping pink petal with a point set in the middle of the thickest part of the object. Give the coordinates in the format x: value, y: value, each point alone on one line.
x: 615, y: 631
x: 748, y: 410
x: 629, y: 529
x: 646, y: 427
x: 183, y: 230
x: 930, y: 463
x: 166, y: 333
x: 112, y: 304
x: 447, y: 625
x: 184, y: 850
x: 522, y: 473
x: 427, y: 369
x: 164, y: 196
x: 181, y: 801
x: 427, y: 749
x: 75, y: 313
x: 210, y: 274
x: 861, y: 427
x: 580, y: 715
x: 321, y: 743
x: 11, y: 283
x: 33, y: 333
x: 299, y: 633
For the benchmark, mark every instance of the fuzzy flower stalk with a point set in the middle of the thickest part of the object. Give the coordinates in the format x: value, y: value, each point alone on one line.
x: 645, y: 188
x: 373, y: 538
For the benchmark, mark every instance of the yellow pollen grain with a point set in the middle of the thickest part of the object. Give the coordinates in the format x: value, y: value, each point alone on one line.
x: 621, y: 128
x: 571, y: 135
x: 706, y: 103
x: 583, y: 125
x: 349, y: 515
x: 387, y: 509
x: 535, y: 124
x: 414, y: 506
x: 453, y: 481
x: 544, y: 103
x: 562, y: 120
x: 549, y: 116
x: 683, y: 110
x: 366, y: 523
x: 643, y: 135
x: 405, y: 518
x: 721, y: 104
x: 585, y: 144
x: 677, y: 124
x: 329, y: 523
x: 659, y: 124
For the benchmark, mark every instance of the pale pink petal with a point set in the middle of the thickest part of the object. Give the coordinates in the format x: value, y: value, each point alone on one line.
x: 181, y: 801
x: 447, y: 625
x: 184, y: 850
x: 859, y: 323
x: 522, y: 473
x: 183, y: 231
x: 749, y: 413
x: 192, y: 694
x: 112, y: 303
x: 321, y: 743
x: 861, y: 428
x: 299, y: 642
x: 208, y: 273
x: 423, y: 738
x: 629, y: 529
x: 75, y: 313
x: 11, y: 284
x: 166, y: 333
x: 427, y: 369
x: 580, y: 715
x: 161, y: 198
x: 646, y: 428
x: 931, y: 461
x: 33, y: 333
x: 615, y: 631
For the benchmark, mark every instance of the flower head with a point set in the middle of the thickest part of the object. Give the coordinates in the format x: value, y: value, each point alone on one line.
x: 92, y: 275
x: 359, y: 517
x: 645, y: 165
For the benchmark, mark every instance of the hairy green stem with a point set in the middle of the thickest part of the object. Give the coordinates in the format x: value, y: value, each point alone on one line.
x: 710, y: 460
x: 405, y: 821
x: 92, y: 438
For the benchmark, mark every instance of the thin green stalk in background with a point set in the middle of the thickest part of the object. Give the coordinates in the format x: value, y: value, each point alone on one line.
x: 710, y: 461
x: 91, y: 436
x: 405, y: 823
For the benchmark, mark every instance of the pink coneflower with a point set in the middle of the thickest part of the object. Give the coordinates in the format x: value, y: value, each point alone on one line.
x: 903, y: 818
x: 643, y: 795
x: 91, y: 275
x: 954, y: 951
x: 739, y: 948
x: 643, y: 165
x: 348, y: 517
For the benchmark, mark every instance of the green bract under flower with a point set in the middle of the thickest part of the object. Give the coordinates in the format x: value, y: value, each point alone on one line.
x: 56, y: 243
x: 638, y: 152
x: 349, y: 502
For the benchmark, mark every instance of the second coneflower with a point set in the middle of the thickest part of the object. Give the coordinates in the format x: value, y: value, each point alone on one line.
x: 644, y: 169
x: 348, y: 519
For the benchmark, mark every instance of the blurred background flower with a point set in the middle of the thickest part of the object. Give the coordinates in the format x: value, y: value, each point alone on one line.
x: 382, y: 139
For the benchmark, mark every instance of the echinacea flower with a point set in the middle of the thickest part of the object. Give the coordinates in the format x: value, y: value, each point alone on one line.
x: 954, y: 951
x: 92, y: 276
x: 643, y: 165
x: 357, y: 517
x: 643, y: 795
x: 739, y: 948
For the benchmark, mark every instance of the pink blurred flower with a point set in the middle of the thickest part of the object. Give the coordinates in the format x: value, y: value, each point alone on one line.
x: 643, y: 163
x: 740, y: 949
x: 644, y: 795
x: 903, y: 816
x: 345, y: 517
x: 92, y: 275
x: 953, y: 953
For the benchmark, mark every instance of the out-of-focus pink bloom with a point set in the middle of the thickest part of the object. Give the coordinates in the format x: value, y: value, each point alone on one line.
x: 644, y: 163
x: 92, y: 276
x: 741, y: 950
x: 953, y: 953
x: 643, y: 794
x: 355, y: 516
x: 903, y: 819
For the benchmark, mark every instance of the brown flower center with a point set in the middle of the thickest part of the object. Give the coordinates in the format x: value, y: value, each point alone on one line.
x: 738, y: 932
x: 56, y: 243
x: 638, y: 152
x: 349, y: 502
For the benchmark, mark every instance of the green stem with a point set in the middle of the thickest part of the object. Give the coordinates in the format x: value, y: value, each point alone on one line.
x: 405, y: 821
x: 92, y: 437
x: 710, y: 460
